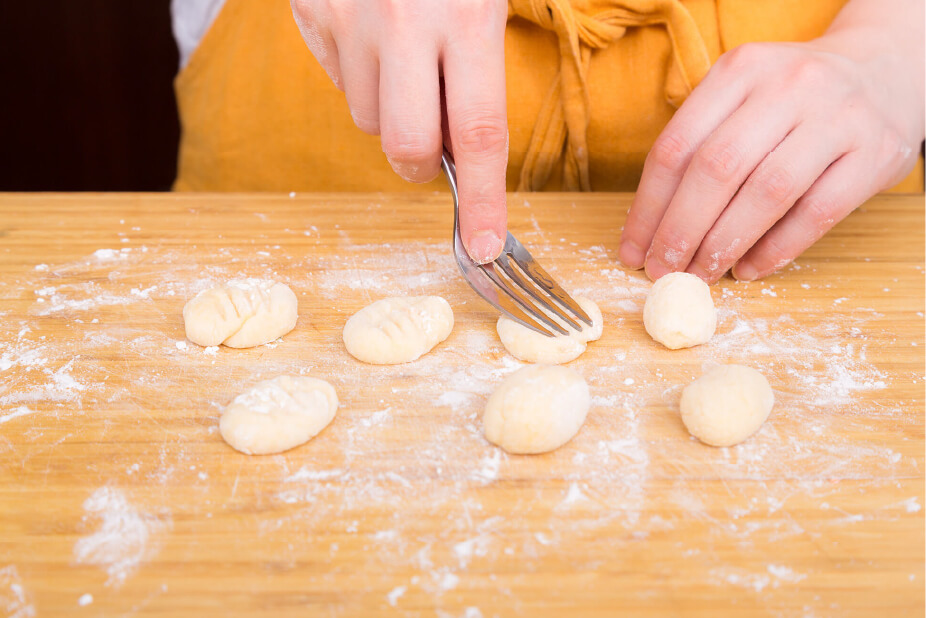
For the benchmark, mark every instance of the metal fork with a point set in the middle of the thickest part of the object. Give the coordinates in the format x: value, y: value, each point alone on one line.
x: 514, y: 283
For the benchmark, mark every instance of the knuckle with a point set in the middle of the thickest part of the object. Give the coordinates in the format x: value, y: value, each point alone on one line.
x: 487, y: 211
x: 671, y: 151
x: 775, y: 251
x: 720, y: 161
x: 775, y: 186
x: 810, y: 71
x: 895, y: 146
x: 480, y: 134
x: 820, y: 212
x: 896, y: 155
x: 742, y: 56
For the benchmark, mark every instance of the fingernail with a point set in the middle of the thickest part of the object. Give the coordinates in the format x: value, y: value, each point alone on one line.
x: 484, y: 246
x: 744, y: 271
x: 631, y: 255
x: 408, y: 171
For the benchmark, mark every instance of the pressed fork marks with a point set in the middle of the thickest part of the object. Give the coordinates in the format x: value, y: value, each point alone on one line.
x: 514, y: 283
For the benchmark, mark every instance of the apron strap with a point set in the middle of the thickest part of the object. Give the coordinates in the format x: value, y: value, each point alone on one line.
x: 560, y: 130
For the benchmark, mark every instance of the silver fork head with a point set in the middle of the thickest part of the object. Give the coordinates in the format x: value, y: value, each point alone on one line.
x: 514, y: 283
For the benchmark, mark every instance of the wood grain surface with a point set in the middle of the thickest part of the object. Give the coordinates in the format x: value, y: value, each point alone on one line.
x: 119, y: 498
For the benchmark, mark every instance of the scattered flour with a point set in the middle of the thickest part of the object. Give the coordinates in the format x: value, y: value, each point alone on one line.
x: 606, y: 477
x: 785, y: 574
x: 14, y: 600
x: 395, y: 594
x: 107, y: 254
x: 20, y: 411
x: 741, y: 578
x: 125, y: 537
x: 573, y: 495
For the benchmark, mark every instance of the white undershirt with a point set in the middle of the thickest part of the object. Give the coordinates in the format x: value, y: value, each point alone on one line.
x: 191, y: 19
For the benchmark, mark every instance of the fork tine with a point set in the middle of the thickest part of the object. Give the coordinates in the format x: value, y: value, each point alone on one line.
x: 486, y: 281
x: 529, y: 265
x: 490, y: 291
x: 511, y: 310
x: 524, y: 284
x: 520, y: 299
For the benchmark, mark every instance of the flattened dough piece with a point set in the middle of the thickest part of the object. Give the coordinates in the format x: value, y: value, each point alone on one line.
x: 398, y: 329
x: 536, y: 409
x: 242, y: 313
x: 726, y: 405
x: 532, y: 347
x: 276, y: 415
x: 679, y: 311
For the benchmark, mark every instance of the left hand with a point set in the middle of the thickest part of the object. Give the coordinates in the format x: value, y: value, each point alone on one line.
x: 776, y: 145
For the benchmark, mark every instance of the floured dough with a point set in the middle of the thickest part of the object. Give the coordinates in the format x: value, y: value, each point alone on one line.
x: 398, y: 330
x: 536, y: 409
x: 726, y: 405
x: 241, y: 314
x: 532, y: 347
x: 679, y: 311
x: 275, y: 415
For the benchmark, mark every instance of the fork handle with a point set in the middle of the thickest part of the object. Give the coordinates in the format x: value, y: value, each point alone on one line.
x: 450, y: 170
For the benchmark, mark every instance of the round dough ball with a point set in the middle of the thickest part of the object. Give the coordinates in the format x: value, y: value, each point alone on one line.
x: 532, y: 347
x: 398, y: 330
x: 536, y: 409
x: 275, y: 415
x: 679, y: 311
x: 241, y: 314
x: 726, y: 405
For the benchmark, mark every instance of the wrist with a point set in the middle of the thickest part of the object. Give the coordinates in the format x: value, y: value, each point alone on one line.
x: 887, y: 61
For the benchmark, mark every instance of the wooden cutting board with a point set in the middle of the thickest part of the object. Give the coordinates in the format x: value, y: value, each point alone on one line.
x: 118, y: 497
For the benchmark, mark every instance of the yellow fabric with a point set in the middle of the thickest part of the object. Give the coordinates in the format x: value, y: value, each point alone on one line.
x: 565, y: 111
x: 590, y: 85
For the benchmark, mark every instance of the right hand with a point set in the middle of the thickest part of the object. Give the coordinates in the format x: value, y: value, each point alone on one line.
x: 389, y: 58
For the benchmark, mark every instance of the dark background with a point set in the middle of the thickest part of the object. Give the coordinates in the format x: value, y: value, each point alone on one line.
x: 86, y: 95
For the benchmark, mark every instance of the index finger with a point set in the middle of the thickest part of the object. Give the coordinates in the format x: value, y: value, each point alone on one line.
x: 713, y: 101
x: 474, y: 81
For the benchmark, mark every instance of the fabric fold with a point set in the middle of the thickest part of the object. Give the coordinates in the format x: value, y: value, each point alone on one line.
x: 559, y: 133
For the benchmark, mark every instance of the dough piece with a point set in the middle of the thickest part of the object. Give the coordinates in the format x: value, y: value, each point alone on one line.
x: 275, y: 415
x: 398, y: 330
x: 726, y: 405
x: 679, y: 311
x: 532, y: 347
x: 241, y: 314
x: 536, y: 409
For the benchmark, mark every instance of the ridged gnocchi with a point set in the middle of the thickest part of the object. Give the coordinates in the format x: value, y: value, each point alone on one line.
x: 532, y: 347
x: 242, y: 313
x: 398, y: 330
x: 276, y: 415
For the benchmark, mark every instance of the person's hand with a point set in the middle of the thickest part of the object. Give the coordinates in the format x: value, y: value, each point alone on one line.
x: 773, y: 148
x: 388, y: 58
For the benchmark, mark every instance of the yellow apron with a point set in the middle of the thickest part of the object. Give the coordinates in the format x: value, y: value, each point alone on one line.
x: 590, y: 85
